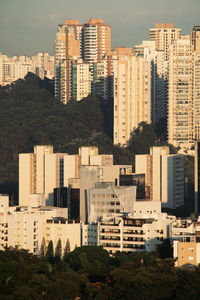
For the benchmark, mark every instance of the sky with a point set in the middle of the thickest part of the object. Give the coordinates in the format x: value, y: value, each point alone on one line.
x: 30, y: 26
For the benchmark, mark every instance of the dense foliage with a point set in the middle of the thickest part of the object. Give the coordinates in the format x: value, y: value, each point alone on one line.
x: 90, y: 273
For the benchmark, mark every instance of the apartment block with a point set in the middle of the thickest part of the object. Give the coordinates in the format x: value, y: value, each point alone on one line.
x: 89, y: 42
x: 164, y: 34
x: 96, y: 40
x: 28, y: 227
x: 92, y: 174
x: 80, y: 80
x: 183, y: 94
x: 39, y: 173
x: 133, y: 233
x: 186, y: 253
x: 164, y: 175
x: 13, y: 68
x: 43, y: 171
x: 132, y: 93
x: 24, y: 226
x: 180, y: 98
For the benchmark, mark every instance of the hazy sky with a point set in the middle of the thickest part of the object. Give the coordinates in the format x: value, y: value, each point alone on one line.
x: 29, y: 26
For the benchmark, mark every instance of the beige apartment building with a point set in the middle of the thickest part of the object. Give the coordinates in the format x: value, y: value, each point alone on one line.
x: 39, y: 173
x: 132, y: 93
x: 68, y: 46
x: 186, y: 253
x: 90, y: 42
x: 159, y: 72
x: 13, y: 68
x: 80, y: 80
x: 164, y: 34
x: 164, y: 176
x: 183, y: 94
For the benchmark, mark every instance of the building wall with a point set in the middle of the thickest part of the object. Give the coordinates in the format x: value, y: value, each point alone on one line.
x: 63, y: 231
x: 186, y: 253
x: 164, y: 176
x: 101, y: 160
x: 103, y: 200
x: 164, y: 34
x: 25, y: 178
x: 180, y: 104
x: 132, y: 93
x: 132, y: 234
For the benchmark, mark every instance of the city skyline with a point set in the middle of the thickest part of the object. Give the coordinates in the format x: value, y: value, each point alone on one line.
x: 30, y: 26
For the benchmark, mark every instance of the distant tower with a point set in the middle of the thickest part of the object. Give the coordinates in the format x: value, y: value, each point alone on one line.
x: 195, y: 36
x: 96, y: 40
x: 89, y: 42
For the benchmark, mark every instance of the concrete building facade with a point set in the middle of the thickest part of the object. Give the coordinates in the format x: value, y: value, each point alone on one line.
x: 134, y: 233
x: 164, y: 175
x: 164, y: 34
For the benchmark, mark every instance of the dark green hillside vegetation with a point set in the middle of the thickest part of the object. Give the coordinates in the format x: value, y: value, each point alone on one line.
x: 89, y: 273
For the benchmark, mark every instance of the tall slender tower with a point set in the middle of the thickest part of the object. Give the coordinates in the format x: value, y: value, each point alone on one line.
x: 131, y: 92
x: 180, y: 97
x: 68, y: 45
x: 195, y: 35
x: 96, y: 41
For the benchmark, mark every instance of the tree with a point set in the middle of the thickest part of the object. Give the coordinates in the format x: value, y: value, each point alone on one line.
x: 165, y: 249
x: 58, y: 250
x: 143, y: 137
x: 43, y: 248
x: 50, y: 251
x: 67, y: 249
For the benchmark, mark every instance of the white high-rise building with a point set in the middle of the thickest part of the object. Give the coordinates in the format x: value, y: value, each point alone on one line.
x: 164, y: 175
x: 131, y: 91
x: 39, y: 173
x: 180, y: 94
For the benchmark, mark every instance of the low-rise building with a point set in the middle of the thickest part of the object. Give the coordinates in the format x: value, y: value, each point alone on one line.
x: 135, y: 232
